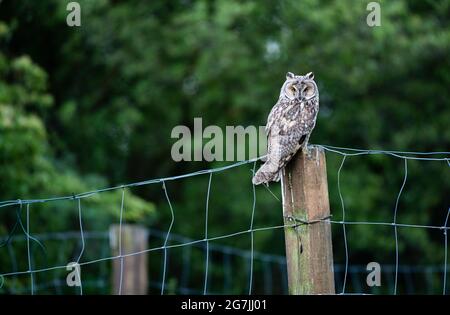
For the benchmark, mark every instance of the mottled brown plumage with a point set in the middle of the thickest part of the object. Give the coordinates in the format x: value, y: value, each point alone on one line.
x: 289, y: 124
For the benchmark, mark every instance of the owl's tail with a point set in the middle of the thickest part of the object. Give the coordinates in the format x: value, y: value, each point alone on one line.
x: 265, y: 175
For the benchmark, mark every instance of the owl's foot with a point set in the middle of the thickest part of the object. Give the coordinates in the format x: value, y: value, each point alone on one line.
x: 306, y: 150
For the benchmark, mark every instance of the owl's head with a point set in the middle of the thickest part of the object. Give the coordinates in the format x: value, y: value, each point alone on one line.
x: 299, y: 87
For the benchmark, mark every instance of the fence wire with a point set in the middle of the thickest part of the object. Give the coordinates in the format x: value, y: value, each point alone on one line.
x: 344, y: 152
x: 273, y: 267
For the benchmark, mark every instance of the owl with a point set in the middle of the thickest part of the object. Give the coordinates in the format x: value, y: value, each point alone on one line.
x: 289, y: 125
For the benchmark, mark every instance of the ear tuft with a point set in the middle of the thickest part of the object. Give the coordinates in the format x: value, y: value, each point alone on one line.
x: 310, y: 76
x: 290, y: 75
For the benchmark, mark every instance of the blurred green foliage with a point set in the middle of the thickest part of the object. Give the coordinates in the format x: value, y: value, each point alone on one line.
x: 92, y: 106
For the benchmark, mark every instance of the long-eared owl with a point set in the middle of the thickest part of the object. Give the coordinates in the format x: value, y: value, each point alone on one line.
x: 289, y: 124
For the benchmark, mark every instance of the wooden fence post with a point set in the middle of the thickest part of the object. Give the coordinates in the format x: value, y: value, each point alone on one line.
x: 135, y: 270
x: 309, y: 251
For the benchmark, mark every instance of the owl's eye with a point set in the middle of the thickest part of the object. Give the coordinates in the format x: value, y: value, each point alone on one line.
x: 291, y: 91
x: 308, y: 90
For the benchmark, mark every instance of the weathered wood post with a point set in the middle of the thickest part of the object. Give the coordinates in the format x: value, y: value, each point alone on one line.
x: 134, y: 270
x: 308, y: 244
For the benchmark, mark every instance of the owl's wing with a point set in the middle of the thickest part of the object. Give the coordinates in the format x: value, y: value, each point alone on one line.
x: 284, y: 119
x: 272, y: 128
x: 285, y: 136
x: 286, y: 133
x: 272, y: 118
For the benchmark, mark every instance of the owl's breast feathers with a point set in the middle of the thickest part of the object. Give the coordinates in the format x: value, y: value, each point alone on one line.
x: 292, y: 118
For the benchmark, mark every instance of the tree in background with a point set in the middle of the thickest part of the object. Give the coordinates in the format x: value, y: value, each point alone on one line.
x: 30, y: 170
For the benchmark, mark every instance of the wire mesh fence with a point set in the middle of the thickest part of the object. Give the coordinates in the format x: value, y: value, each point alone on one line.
x: 263, y: 272
x: 419, y: 279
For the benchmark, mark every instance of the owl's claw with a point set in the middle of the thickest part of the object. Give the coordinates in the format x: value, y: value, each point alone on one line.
x: 306, y: 150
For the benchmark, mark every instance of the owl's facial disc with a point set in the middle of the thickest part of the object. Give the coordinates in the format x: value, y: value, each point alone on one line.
x: 291, y: 91
x: 308, y: 89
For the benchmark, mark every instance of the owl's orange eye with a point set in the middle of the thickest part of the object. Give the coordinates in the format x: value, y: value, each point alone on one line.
x: 290, y: 90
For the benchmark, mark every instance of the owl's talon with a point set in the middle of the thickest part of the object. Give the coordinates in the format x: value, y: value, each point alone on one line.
x: 306, y: 151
